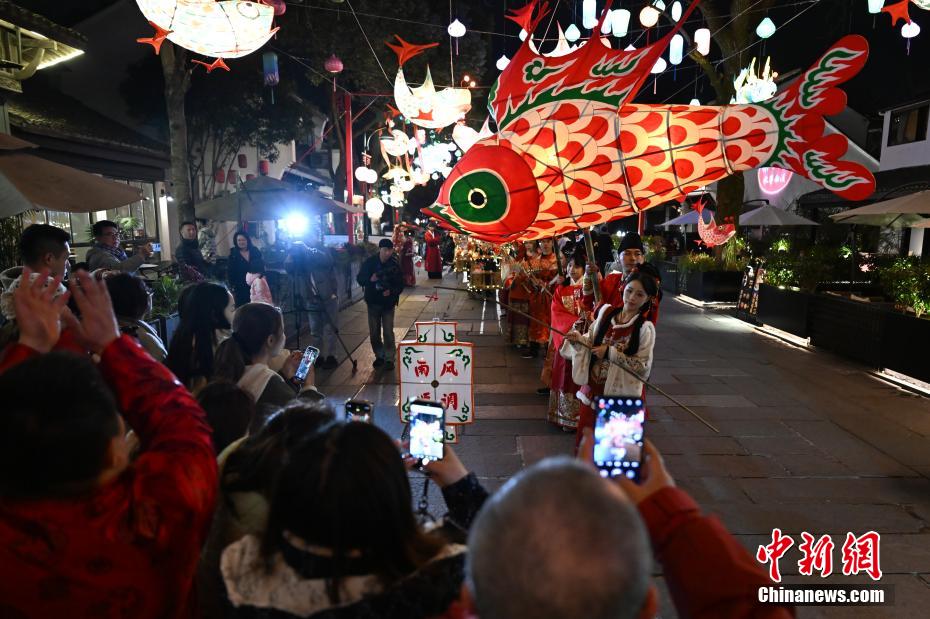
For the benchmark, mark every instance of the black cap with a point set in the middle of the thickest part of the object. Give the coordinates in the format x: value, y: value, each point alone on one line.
x: 385, y: 243
x: 631, y: 240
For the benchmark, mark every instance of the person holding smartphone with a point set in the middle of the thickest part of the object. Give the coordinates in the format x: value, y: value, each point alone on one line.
x: 619, y: 336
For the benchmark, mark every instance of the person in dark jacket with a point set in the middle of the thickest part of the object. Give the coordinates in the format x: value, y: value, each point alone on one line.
x: 383, y: 281
x: 187, y: 254
x: 342, y: 539
x: 244, y: 258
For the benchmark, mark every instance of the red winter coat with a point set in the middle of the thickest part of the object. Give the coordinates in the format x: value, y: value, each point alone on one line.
x: 129, y: 548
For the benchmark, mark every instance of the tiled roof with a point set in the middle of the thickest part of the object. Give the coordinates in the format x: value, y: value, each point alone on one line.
x: 31, y: 21
x: 55, y: 114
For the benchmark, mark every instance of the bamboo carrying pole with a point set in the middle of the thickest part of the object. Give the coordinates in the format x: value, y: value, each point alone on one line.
x: 658, y: 390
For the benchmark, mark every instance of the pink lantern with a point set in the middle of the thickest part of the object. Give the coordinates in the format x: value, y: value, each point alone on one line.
x: 220, y: 176
x: 773, y: 180
x: 333, y: 64
x: 264, y: 167
x: 278, y: 5
x: 232, y: 177
x: 243, y: 160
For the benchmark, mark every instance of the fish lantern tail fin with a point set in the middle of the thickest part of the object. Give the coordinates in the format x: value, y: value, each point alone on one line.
x: 405, y: 50
x: 803, y: 145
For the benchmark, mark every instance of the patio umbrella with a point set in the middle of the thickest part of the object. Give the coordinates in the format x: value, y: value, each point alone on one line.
x: 265, y: 199
x: 688, y: 219
x: 901, y: 212
x: 28, y: 182
x: 769, y: 215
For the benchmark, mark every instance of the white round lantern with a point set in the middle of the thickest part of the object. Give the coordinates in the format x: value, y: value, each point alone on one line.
x: 572, y: 33
x: 910, y: 30
x: 456, y: 29
x: 374, y: 207
x: 502, y: 62
x: 702, y: 40
x: 621, y: 22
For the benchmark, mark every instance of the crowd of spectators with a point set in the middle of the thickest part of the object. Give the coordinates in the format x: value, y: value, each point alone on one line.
x: 212, y: 485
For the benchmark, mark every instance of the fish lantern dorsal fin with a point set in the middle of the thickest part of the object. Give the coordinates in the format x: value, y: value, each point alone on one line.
x: 405, y: 51
x: 592, y: 72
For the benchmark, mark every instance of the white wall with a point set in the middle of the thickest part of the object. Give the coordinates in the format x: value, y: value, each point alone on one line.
x: 903, y: 155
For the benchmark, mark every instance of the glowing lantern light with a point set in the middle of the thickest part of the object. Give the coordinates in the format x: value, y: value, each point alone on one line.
x: 766, y: 28
x: 608, y: 23
x: 333, y: 64
x: 621, y: 25
x: 361, y: 173
x: 502, y: 62
x: 695, y: 101
x: 875, y: 6
x: 649, y: 16
x: 702, y: 40
x: 659, y: 66
x: 910, y: 30
x: 456, y: 29
x: 676, y: 49
x: 264, y: 167
x: 773, y: 180
x: 228, y: 29
x: 523, y: 35
x: 220, y: 176
x: 676, y: 10
x: 629, y: 48
x: 572, y: 33
x: 588, y: 14
x: 423, y: 105
x: 374, y: 207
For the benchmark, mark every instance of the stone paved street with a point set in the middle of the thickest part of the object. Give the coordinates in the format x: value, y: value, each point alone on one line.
x: 806, y: 442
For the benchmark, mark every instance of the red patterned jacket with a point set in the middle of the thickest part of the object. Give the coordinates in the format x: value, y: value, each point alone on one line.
x: 130, y: 548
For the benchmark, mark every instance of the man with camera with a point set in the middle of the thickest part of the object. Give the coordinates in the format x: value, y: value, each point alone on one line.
x: 383, y: 282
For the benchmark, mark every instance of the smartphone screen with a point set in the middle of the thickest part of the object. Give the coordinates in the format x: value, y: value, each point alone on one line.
x: 427, y: 430
x: 618, y: 436
x: 359, y: 410
x: 310, y: 355
x: 156, y: 246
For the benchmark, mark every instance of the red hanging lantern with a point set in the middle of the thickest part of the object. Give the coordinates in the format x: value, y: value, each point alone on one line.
x: 220, y: 176
x: 232, y: 177
x: 249, y: 177
x: 243, y: 161
x: 264, y: 167
x: 333, y: 64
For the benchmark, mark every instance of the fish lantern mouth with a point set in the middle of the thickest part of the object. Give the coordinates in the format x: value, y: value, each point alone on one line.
x: 491, y: 194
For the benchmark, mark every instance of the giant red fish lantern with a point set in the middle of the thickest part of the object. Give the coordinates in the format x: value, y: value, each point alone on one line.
x: 573, y: 151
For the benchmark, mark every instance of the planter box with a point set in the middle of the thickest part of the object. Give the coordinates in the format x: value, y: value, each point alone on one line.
x: 165, y: 326
x: 668, y: 271
x: 713, y: 286
x: 849, y: 328
x: 784, y: 309
x: 905, y: 342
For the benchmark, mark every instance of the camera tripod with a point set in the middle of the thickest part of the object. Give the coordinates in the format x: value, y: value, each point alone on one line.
x: 299, y: 308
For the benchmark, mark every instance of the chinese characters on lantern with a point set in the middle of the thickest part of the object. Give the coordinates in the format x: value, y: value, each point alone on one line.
x: 858, y: 554
x: 437, y: 366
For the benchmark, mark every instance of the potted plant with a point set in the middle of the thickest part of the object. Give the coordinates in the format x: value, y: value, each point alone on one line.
x: 131, y: 227
x: 906, y: 334
x: 164, y: 315
x: 708, y: 279
x: 781, y: 302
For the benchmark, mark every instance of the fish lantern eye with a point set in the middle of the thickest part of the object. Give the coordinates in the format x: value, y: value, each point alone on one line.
x: 479, y: 197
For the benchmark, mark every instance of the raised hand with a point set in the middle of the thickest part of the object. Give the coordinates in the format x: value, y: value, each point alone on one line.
x: 97, y: 327
x: 653, y: 476
x: 38, y: 311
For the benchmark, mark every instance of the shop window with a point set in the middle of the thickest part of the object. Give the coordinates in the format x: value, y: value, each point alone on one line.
x: 908, y: 126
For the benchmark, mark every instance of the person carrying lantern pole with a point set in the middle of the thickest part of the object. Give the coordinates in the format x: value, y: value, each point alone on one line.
x: 571, y: 310
x: 516, y: 326
x: 542, y: 270
x: 618, y: 336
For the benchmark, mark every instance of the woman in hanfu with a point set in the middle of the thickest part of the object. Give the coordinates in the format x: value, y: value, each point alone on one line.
x: 542, y: 269
x: 518, y: 297
x: 569, y: 312
x: 620, y: 336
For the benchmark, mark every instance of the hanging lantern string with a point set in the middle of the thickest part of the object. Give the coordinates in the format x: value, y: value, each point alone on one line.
x: 691, y: 21
x: 378, y: 60
x: 754, y: 43
x: 451, y: 66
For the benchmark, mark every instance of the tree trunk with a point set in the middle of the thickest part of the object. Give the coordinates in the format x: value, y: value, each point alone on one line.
x: 177, y: 83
